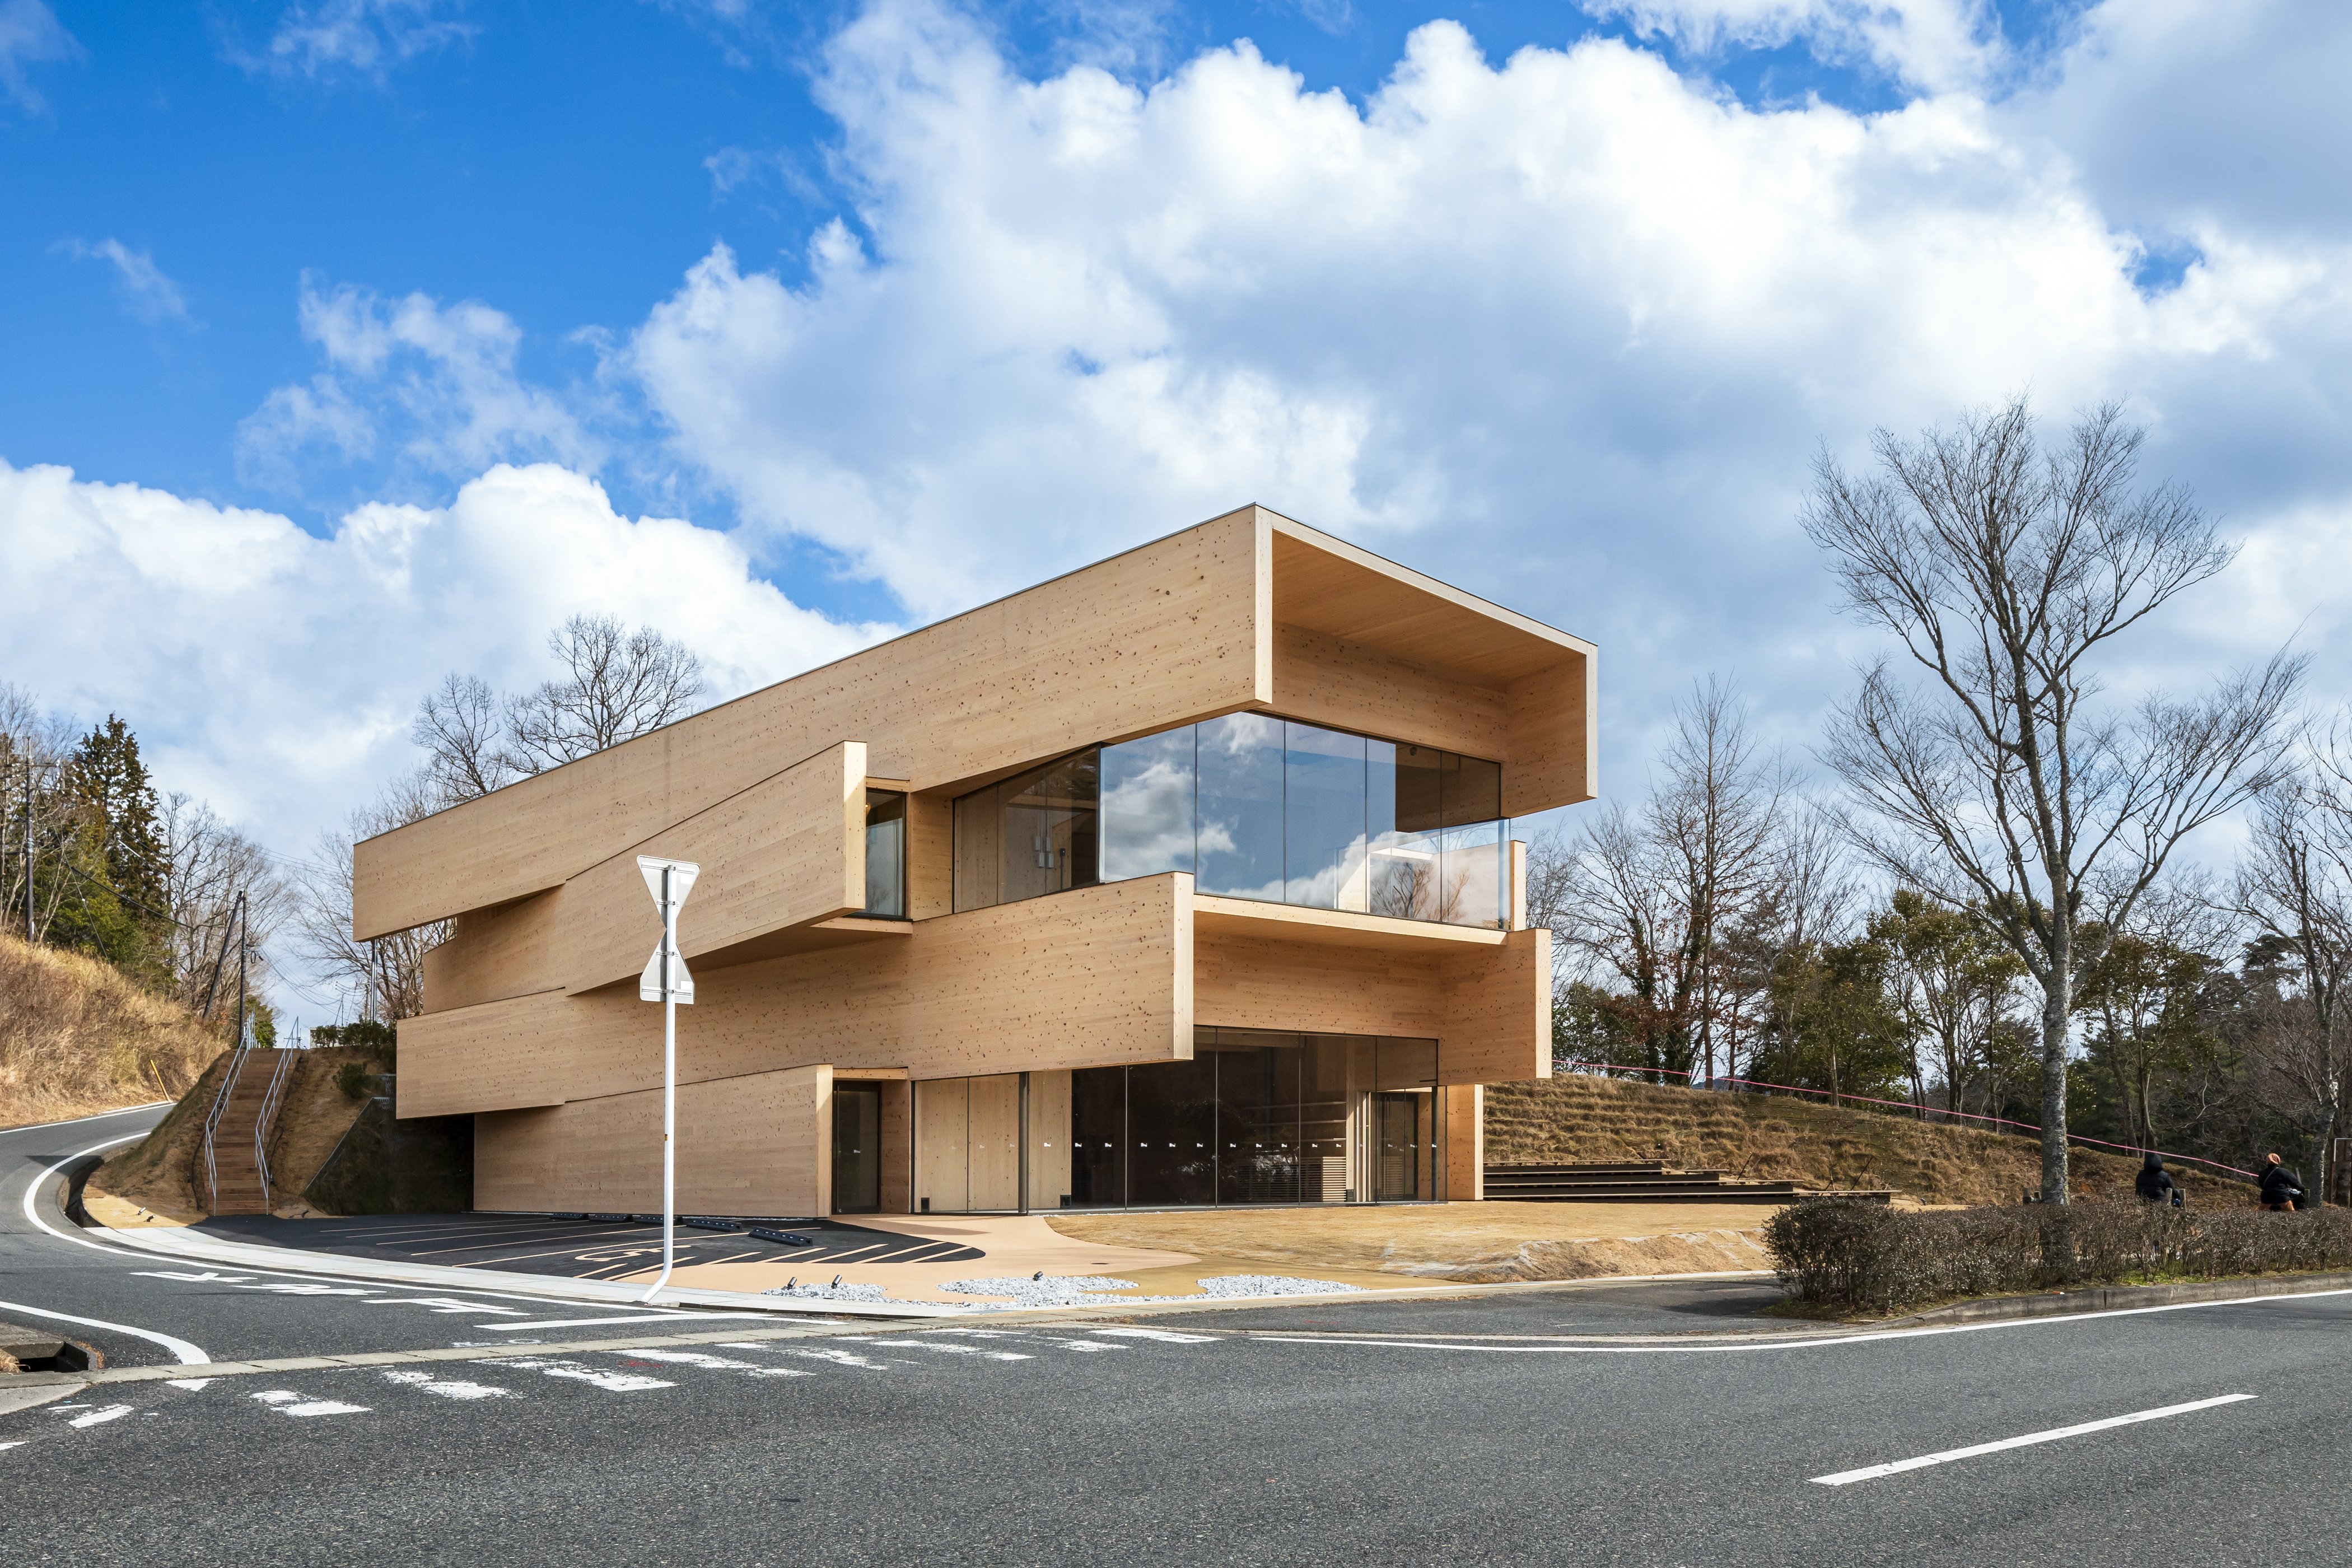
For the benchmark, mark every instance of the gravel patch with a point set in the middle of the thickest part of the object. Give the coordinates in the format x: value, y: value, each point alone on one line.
x: 831, y: 1292
x: 1089, y: 1290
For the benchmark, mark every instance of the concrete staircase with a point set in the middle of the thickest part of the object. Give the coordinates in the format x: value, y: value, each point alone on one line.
x: 240, y: 1185
x: 1643, y: 1182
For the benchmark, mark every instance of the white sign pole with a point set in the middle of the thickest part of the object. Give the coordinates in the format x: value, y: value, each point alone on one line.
x: 666, y: 982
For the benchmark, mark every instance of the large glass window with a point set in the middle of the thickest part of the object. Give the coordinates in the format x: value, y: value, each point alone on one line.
x: 1255, y: 807
x: 1261, y: 1117
x: 885, y: 854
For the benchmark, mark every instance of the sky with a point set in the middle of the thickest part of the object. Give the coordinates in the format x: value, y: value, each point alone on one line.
x: 354, y: 342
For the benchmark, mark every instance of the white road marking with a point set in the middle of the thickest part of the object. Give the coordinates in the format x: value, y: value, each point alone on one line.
x: 181, y: 1349
x: 1166, y: 1336
x: 942, y: 1347
x: 838, y: 1358
x: 1871, y: 1472
x: 100, y: 1418
x: 593, y: 1322
x: 1086, y: 1345
x: 285, y: 1402
x: 449, y: 1388
x: 611, y: 1382
x: 207, y: 1277
x: 700, y: 1358
x: 17, y: 1444
x: 445, y: 1305
x: 284, y: 1288
x: 192, y: 1382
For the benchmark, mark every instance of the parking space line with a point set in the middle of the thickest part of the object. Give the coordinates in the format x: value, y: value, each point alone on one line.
x: 1871, y: 1472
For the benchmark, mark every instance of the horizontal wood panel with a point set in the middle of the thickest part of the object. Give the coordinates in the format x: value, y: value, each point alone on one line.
x: 1090, y: 978
x: 1323, y: 680
x: 1497, y: 1026
x: 1158, y: 637
x: 788, y: 851
x: 758, y: 1145
x: 495, y: 953
x: 1332, y: 928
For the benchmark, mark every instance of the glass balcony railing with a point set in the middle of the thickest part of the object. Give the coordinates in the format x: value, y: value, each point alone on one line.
x: 1255, y: 807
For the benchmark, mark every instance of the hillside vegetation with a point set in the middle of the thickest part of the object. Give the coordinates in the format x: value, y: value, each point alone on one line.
x: 1579, y: 1118
x: 77, y: 1037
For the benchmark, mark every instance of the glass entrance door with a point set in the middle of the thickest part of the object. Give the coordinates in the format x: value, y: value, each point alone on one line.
x: 1396, y: 1147
x: 857, y: 1148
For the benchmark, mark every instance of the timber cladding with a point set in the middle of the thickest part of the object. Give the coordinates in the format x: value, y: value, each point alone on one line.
x: 1095, y: 977
x: 1154, y: 637
x: 758, y: 1147
x: 1247, y: 612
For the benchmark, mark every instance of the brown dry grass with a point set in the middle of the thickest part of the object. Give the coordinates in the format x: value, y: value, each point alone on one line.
x: 159, y: 1173
x: 77, y: 1037
x: 1471, y: 1243
x: 1585, y: 1119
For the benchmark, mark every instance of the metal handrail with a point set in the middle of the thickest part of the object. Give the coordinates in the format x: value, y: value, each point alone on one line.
x: 211, y: 1121
x: 261, y: 1122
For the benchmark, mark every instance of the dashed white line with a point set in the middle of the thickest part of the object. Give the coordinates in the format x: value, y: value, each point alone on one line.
x: 1165, y: 1336
x: 285, y: 1402
x: 100, y: 1418
x: 448, y: 1388
x: 943, y: 1347
x: 1871, y: 1472
x: 714, y: 1362
x: 611, y: 1382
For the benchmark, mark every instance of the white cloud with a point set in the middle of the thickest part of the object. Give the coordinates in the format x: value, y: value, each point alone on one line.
x: 1937, y: 44
x: 30, y: 34
x: 438, y: 384
x: 363, y: 37
x: 274, y: 673
x: 147, y: 293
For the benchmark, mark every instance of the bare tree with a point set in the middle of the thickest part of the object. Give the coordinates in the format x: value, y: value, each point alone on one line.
x: 210, y: 866
x: 2004, y: 569
x: 463, y: 731
x: 384, y: 978
x: 617, y: 686
x: 2293, y: 887
x: 41, y: 817
x: 1647, y: 897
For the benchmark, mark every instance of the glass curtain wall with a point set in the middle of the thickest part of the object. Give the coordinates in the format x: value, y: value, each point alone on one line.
x: 1255, y: 807
x: 1261, y: 1117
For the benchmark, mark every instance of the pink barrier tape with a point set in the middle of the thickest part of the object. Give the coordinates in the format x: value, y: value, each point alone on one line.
x: 1912, y: 1105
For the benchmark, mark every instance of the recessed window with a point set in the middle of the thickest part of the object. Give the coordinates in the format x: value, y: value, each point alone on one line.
x: 886, y: 854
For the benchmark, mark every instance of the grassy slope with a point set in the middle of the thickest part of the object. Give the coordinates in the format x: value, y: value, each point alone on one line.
x: 312, y: 1117
x: 1581, y: 1118
x: 75, y: 1038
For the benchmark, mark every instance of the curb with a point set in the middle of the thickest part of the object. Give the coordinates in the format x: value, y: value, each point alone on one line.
x: 2118, y: 1298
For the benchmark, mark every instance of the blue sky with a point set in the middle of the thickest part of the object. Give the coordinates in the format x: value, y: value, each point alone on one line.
x: 353, y: 341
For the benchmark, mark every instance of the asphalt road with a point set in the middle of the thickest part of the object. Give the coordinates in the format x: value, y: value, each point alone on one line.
x: 1635, y: 1426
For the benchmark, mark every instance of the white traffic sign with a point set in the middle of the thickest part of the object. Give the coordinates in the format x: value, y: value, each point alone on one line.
x: 665, y: 978
x: 666, y: 982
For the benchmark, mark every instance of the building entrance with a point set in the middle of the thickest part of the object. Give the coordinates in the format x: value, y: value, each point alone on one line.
x: 857, y: 1148
x: 1260, y: 1117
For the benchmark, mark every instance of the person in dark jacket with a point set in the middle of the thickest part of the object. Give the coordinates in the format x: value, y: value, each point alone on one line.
x: 2281, y: 1188
x: 2155, y: 1184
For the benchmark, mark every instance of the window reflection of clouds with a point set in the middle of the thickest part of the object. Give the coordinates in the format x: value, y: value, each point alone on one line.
x: 1282, y: 812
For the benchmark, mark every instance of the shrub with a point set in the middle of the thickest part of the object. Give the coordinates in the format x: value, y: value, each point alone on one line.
x: 1840, y: 1253
x: 354, y: 1079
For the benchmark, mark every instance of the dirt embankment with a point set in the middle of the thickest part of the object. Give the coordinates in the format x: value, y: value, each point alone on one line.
x: 314, y: 1114
x: 77, y: 1038
x: 1578, y: 1119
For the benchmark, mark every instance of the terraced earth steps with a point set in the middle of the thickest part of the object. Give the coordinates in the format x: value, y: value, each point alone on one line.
x: 1648, y: 1181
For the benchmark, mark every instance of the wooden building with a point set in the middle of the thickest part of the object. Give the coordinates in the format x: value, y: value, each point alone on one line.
x: 1182, y: 878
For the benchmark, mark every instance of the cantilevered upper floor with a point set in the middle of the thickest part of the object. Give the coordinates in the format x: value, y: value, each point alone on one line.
x: 1277, y: 714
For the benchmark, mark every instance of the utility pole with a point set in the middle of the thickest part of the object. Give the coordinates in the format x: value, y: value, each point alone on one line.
x: 29, y: 849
